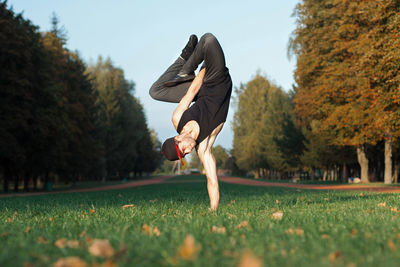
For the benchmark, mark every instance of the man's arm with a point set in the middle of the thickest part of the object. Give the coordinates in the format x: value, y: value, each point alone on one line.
x: 204, y: 150
x: 188, y: 98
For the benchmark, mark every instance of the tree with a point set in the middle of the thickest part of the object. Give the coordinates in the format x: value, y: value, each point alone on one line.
x: 337, y: 44
x: 220, y: 155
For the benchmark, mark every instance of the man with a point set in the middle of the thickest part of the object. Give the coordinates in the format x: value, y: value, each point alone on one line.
x: 199, y: 124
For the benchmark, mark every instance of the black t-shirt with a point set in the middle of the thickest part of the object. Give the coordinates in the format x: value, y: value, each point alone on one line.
x: 211, y: 106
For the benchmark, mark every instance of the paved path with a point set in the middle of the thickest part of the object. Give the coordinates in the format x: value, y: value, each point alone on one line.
x: 92, y: 189
x: 365, y: 187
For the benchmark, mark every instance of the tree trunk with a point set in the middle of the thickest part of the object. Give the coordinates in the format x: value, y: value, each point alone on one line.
x: 396, y: 171
x: 312, y: 174
x: 26, y: 181
x: 35, y: 179
x: 6, y: 178
x: 16, y: 182
x: 344, y: 173
x: 363, y: 161
x: 388, y: 161
x: 325, y: 174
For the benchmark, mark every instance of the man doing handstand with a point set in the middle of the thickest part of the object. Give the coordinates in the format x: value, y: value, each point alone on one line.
x: 198, y: 124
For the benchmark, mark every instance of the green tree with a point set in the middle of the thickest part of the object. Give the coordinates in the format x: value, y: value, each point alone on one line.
x: 220, y: 155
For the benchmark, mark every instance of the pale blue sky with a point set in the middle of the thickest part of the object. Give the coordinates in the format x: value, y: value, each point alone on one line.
x: 145, y: 37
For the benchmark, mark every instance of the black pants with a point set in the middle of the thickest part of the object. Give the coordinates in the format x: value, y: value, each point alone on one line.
x: 208, y: 50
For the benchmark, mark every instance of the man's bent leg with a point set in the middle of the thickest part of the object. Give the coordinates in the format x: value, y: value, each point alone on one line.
x: 209, y: 50
x: 170, y: 94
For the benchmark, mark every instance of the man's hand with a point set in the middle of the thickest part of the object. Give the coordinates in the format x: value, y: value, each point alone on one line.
x: 188, y: 98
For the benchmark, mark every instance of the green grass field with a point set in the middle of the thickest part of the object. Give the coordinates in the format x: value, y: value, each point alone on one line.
x: 318, y: 228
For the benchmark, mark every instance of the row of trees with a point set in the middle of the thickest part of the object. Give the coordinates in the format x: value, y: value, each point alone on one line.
x: 60, y: 119
x: 345, y: 107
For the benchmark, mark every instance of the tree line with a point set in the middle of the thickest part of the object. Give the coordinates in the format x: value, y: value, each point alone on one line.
x: 342, y: 117
x: 61, y: 119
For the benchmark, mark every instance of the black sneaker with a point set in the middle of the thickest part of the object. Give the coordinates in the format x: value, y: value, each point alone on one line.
x: 179, y: 78
x: 189, y: 48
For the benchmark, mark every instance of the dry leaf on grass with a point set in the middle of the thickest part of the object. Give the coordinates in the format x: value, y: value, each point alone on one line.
x: 391, y: 245
x: 70, y: 262
x: 189, y: 249
x: 128, y: 206
x: 148, y: 230
x: 250, y: 260
x: 92, y: 211
x: 277, y: 215
x: 232, y: 216
x: 382, y: 204
x: 297, y: 231
x: 101, y: 248
x: 219, y: 230
x: 325, y: 236
x: 277, y: 201
x: 27, y: 229
x: 42, y: 240
x: 394, y: 209
x: 73, y: 243
x: 242, y: 225
x: 61, y: 243
x: 153, y: 200
x: 4, y: 234
x: 353, y: 232
x: 333, y: 256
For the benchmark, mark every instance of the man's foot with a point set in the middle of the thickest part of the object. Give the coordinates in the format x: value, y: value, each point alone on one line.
x: 179, y: 78
x: 189, y: 48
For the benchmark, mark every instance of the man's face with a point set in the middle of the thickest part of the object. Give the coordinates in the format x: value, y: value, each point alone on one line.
x: 185, y: 144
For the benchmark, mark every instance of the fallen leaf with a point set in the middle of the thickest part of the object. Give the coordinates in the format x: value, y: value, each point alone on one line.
x: 289, y: 231
x: 4, y: 234
x: 326, y: 198
x: 189, y: 249
x: 150, y: 231
x: 156, y: 231
x: 27, y: 229
x: 325, y: 236
x: 231, y: 215
x: 219, y: 230
x: 382, y: 204
x: 232, y: 201
x: 70, y: 262
x: 242, y: 225
x: 147, y: 229
x: 361, y: 194
x: 73, y: 243
x: 82, y: 234
x: 277, y: 201
x: 88, y: 239
x: 333, y: 256
x: 353, y: 232
x: 42, y: 240
x: 153, y: 200
x: 299, y: 231
x: 391, y: 245
x: 61, y: 243
x: 10, y: 220
x: 101, y: 248
x: 277, y: 215
x: 92, y: 211
x: 250, y: 260
x: 395, y: 209
x: 128, y: 206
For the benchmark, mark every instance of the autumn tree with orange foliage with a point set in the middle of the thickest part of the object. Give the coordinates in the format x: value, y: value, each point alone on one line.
x: 347, y: 73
